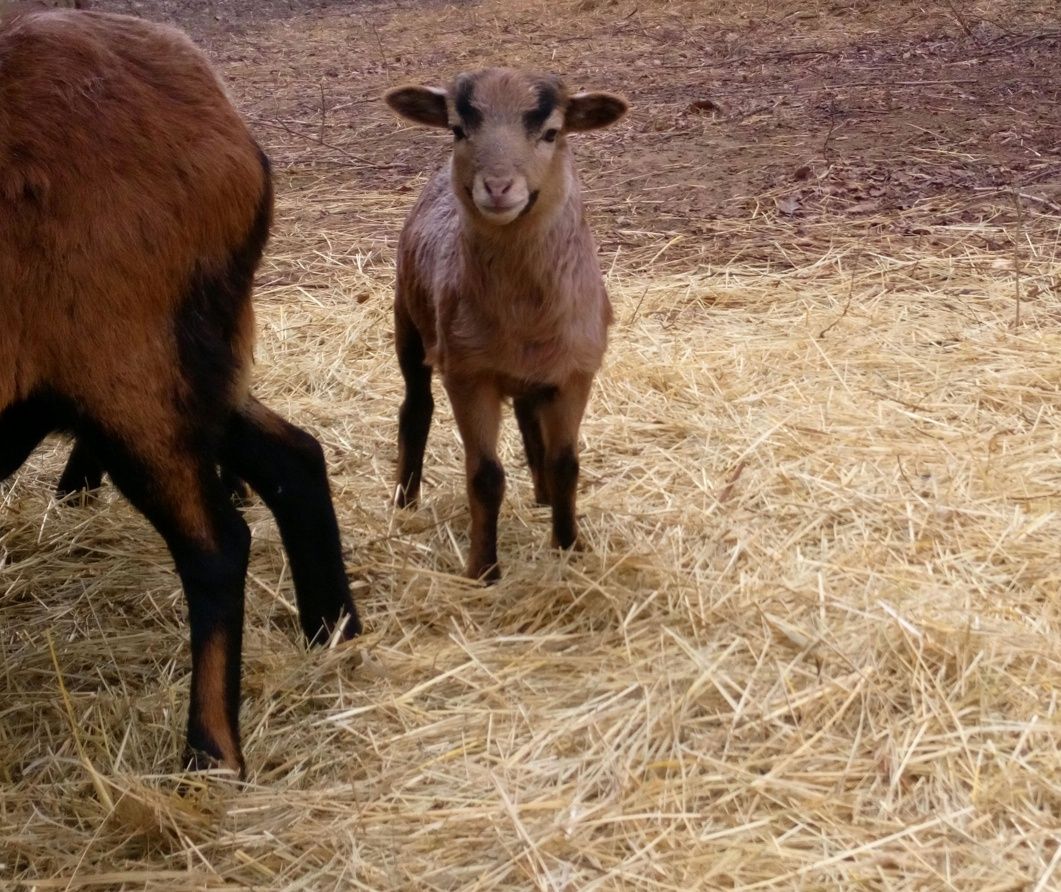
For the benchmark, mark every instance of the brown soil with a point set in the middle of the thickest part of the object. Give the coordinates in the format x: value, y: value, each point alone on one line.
x: 752, y: 133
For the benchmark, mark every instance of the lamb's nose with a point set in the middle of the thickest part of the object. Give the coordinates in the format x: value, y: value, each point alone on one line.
x: 497, y: 186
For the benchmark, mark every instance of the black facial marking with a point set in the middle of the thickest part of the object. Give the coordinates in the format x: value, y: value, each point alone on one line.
x: 547, y: 100
x: 470, y: 116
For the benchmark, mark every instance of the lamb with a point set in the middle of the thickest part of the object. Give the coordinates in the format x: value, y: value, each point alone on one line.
x: 134, y: 209
x: 500, y: 289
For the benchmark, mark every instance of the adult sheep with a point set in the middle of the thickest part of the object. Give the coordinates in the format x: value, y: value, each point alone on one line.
x: 134, y: 208
x: 500, y: 289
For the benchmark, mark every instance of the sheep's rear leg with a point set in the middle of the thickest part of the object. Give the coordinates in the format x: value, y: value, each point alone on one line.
x: 477, y: 409
x: 530, y: 428
x: 237, y: 489
x: 561, y: 417
x: 286, y: 467
x: 182, y: 496
x: 22, y: 427
x: 414, y: 417
x: 83, y: 472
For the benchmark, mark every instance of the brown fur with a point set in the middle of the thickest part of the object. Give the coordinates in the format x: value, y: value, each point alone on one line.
x: 505, y: 304
x: 134, y: 206
x: 76, y: 80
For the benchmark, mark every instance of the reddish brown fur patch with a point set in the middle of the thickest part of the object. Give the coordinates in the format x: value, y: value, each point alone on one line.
x: 210, y: 700
x: 134, y: 205
x: 91, y: 108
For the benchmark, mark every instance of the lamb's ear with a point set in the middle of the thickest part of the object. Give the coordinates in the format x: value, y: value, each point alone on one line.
x: 588, y: 111
x: 425, y: 105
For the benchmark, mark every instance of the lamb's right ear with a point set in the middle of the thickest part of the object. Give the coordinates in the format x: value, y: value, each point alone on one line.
x: 425, y: 105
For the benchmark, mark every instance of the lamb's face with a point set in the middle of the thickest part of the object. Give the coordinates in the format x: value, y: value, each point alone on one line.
x: 507, y: 129
x: 509, y: 135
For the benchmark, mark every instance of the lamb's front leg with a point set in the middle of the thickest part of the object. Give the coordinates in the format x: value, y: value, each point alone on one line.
x: 561, y: 417
x: 477, y: 408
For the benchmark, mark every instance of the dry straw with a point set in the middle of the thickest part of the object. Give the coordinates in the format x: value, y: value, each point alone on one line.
x: 812, y: 643
x: 813, y: 640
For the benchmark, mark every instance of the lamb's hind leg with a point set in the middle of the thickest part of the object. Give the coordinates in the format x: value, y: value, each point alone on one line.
x: 414, y: 417
x: 561, y: 417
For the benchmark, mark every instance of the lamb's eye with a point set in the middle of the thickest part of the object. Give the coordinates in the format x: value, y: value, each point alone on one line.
x: 458, y: 133
x: 550, y: 134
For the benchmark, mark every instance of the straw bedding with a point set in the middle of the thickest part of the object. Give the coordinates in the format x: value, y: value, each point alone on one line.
x: 813, y: 640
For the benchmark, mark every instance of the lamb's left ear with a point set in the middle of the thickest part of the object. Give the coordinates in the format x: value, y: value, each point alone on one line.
x: 588, y: 111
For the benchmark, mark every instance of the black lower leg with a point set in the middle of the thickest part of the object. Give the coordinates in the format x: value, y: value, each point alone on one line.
x: 213, y: 584
x: 414, y: 417
x: 530, y: 429
x: 286, y: 467
x: 83, y: 472
x: 486, y: 489
x: 183, y: 498
x: 22, y: 427
x: 562, y: 471
x: 414, y: 422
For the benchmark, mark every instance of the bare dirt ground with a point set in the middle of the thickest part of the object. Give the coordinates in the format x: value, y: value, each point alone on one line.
x: 815, y: 642
x: 804, y: 117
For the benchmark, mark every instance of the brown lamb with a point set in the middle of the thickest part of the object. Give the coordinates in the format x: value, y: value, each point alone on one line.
x: 500, y: 289
x: 134, y: 208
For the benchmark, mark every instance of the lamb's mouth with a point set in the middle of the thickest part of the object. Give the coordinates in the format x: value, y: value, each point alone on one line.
x: 505, y: 213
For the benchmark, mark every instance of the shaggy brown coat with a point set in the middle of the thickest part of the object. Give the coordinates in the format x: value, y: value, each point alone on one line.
x: 134, y: 208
